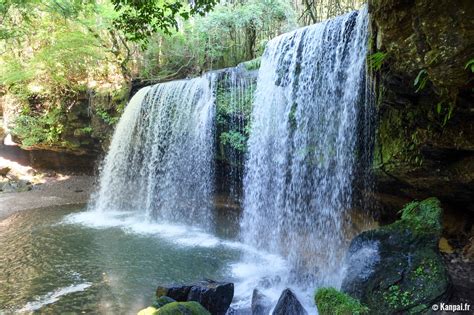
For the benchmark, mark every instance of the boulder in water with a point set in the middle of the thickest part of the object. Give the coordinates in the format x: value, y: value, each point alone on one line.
x: 176, y: 292
x: 288, y: 304
x: 214, y: 296
x: 406, y: 273
x: 261, y: 304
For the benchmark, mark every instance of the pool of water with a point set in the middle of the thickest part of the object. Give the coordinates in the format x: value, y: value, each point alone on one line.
x: 66, y: 259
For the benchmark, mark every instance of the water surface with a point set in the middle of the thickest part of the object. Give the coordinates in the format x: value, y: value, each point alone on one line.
x: 68, y: 260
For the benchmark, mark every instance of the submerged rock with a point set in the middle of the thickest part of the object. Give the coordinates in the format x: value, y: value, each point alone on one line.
x: 214, y: 296
x: 406, y: 274
x: 261, y: 304
x: 288, y: 304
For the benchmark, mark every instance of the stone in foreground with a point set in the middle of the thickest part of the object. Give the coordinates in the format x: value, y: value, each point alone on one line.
x: 288, y: 304
x: 261, y: 305
x: 214, y: 296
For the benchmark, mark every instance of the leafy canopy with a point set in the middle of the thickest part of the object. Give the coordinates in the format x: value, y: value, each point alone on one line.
x: 139, y: 19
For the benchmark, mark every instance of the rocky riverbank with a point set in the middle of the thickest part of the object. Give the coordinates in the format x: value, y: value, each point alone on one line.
x: 32, y: 179
x: 58, y: 190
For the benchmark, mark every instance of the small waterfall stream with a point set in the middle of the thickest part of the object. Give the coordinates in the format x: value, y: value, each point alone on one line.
x: 160, y: 161
x: 303, y: 146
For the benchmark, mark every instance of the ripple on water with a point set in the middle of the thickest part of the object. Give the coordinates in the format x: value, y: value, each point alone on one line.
x: 67, y: 259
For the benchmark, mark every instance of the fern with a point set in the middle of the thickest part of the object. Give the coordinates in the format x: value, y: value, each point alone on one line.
x: 421, y: 80
x: 376, y: 60
x: 470, y: 65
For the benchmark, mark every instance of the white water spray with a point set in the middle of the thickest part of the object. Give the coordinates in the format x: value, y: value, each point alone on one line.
x: 160, y: 161
x: 298, y: 186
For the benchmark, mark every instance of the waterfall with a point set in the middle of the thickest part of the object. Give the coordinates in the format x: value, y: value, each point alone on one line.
x: 302, y: 150
x: 235, y: 90
x: 160, y: 161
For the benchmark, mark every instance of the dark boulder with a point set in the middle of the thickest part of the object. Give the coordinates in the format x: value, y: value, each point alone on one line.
x: 288, y: 304
x: 261, y: 304
x: 397, y: 268
x: 214, y: 296
x: 176, y: 292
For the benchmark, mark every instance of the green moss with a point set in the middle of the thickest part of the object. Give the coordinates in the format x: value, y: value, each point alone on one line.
x: 396, y: 298
x: 182, y: 308
x: 253, y: 64
x: 423, y: 216
x: 399, y: 140
x: 332, y: 302
x: 162, y: 301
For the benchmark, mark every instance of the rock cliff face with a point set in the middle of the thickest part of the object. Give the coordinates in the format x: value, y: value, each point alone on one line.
x: 425, y: 132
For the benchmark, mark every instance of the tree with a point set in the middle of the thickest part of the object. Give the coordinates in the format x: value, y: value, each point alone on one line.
x: 139, y: 19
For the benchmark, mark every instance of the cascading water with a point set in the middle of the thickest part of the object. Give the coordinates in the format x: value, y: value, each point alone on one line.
x: 160, y: 161
x: 302, y: 151
x: 235, y: 90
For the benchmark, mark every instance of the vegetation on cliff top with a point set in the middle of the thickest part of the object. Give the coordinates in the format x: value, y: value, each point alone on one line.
x: 58, y: 55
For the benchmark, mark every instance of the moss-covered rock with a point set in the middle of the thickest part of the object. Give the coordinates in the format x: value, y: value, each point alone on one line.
x: 397, y: 268
x: 332, y: 302
x: 182, y: 308
x: 162, y: 301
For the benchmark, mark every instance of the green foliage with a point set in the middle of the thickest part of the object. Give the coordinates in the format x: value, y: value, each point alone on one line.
x: 230, y: 34
x: 106, y: 116
x: 470, y: 65
x: 54, y: 55
x: 253, y: 64
x: 376, y: 60
x: 421, y: 80
x: 444, y: 110
x: 140, y: 19
x: 423, y: 216
x: 43, y: 128
x: 332, y: 302
x: 395, y: 297
x: 235, y: 139
x: 233, y: 106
